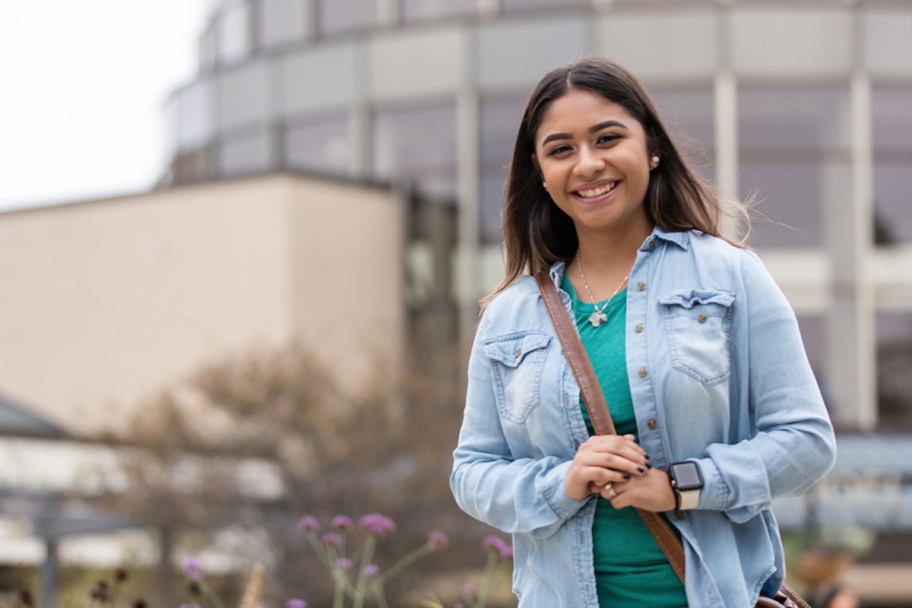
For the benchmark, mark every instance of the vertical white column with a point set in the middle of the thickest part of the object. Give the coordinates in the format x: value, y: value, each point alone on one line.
x: 388, y: 12
x: 851, y: 355
x: 488, y: 7
x: 851, y: 352
x: 360, y: 117
x: 725, y: 90
x: 725, y: 114
x: 863, y: 207
x: 468, y: 271
x: 308, y: 18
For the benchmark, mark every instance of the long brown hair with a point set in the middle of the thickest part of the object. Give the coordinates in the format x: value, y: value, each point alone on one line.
x: 536, y: 232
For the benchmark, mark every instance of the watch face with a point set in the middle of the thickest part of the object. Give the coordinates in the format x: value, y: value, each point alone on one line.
x: 686, y: 476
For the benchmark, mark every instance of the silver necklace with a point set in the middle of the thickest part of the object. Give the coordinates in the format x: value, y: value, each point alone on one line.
x: 598, y: 316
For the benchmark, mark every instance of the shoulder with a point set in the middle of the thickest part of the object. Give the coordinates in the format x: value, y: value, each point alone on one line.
x: 520, y: 295
x: 718, y: 255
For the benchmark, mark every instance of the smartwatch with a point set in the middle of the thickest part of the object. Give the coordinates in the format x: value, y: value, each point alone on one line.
x: 686, y: 482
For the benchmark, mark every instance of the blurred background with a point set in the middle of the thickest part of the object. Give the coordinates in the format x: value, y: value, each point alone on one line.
x: 244, y: 240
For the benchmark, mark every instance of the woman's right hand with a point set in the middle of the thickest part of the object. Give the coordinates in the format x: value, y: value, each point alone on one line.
x: 604, y: 459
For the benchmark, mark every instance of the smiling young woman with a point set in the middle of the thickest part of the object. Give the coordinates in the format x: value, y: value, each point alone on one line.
x: 700, y: 360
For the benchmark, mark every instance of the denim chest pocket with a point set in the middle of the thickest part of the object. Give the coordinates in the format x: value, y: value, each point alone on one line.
x: 697, y: 323
x: 517, y: 361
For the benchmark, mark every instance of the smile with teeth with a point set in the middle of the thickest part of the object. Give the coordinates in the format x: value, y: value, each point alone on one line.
x: 593, y: 192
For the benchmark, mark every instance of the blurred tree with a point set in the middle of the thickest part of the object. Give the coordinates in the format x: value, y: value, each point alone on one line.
x: 387, y: 450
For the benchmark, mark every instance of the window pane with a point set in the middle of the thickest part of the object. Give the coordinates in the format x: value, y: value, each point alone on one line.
x: 418, y: 143
x: 795, y: 157
x: 894, y: 360
x: 244, y: 154
x: 346, y: 15
x: 415, y: 10
x: 234, y: 34
x: 813, y: 334
x: 892, y: 139
x: 323, y: 145
x: 207, y: 51
x: 518, y: 5
x: 244, y: 95
x: 688, y: 116
x: 194, y: 115
x: 280, y: 21
x: 499, y: 123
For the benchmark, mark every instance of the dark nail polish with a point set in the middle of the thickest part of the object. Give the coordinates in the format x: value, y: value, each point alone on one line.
x: 648, y: 466
x: 646, y: 456
x: 641, y: 469
x: 626, y: 475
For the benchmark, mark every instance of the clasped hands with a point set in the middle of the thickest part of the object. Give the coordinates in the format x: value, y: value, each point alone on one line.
x: 618, y: 469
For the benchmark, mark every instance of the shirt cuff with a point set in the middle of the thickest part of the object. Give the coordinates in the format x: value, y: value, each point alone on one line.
x: 555, y: 493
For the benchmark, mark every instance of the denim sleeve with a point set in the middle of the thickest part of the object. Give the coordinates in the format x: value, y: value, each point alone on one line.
x: 515, y: 495
x: 793, y: 444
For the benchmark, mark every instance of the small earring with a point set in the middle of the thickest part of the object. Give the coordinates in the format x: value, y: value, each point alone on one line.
x: 544, y: 185
x: 655, y: 159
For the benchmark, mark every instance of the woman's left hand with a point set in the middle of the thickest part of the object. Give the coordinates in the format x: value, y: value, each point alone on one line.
x: 651, y: 492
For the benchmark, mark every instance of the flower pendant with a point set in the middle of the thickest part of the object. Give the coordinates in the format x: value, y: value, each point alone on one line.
x: 597, y: 318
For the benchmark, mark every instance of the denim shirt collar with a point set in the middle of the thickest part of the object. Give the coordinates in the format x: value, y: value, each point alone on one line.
x: 681, y: 239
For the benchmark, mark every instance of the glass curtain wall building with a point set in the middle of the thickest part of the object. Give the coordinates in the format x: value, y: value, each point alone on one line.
x: 800, y: 106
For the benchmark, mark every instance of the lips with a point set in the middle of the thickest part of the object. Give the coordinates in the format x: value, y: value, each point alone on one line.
x: 597, y: 190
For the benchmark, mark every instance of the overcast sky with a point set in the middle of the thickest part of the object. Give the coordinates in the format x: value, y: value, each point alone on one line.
x: 82, y: 87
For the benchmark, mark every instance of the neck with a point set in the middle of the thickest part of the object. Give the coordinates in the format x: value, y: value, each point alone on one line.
x: 605, y: 256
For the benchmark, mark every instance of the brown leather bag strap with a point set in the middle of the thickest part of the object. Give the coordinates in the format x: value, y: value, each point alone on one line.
x: 597, y: 407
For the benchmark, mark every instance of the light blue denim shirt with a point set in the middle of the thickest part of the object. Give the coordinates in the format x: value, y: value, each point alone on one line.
x: 718, y: 375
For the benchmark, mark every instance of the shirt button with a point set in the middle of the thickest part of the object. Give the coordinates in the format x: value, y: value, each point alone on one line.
x: 641, y: 286
x: 639, y: 329
x: 702, y: 318
x: 518, y: 353
x: 642, y: 372
x: 652, y: 242
x: 652, y: 424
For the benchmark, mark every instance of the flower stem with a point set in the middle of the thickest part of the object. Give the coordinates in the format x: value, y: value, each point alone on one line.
x: 212, y: 595
x: 339, y: 594
x: 318, y: 549
x: 486, y: 579
x: 407, y: 560
x: 366, y: 556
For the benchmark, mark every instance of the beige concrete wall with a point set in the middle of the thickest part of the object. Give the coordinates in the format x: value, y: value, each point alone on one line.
x: 104, y: 303
x: 347, y: 294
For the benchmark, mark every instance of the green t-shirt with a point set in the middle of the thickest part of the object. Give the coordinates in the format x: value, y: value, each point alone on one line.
x: 630, y: 568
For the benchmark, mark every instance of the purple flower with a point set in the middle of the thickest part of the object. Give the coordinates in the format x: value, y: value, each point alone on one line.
x: 344, y: 563
x: 192, y: 570
x: 341, y: 523
x: 377, y: 524
x: 493, y: 543
x: 295, y: 603
x: 371, y: 570
x: 438, y: 540
x: 331, y: 539
x: 308, y: 524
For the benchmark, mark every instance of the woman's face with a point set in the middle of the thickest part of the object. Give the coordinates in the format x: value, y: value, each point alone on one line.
x: 594, y: 158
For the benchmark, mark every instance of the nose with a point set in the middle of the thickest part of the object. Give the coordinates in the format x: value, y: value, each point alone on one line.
x: 589, y: 162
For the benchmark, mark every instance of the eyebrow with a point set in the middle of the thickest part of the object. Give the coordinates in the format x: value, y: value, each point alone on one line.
x: 592, y: 129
